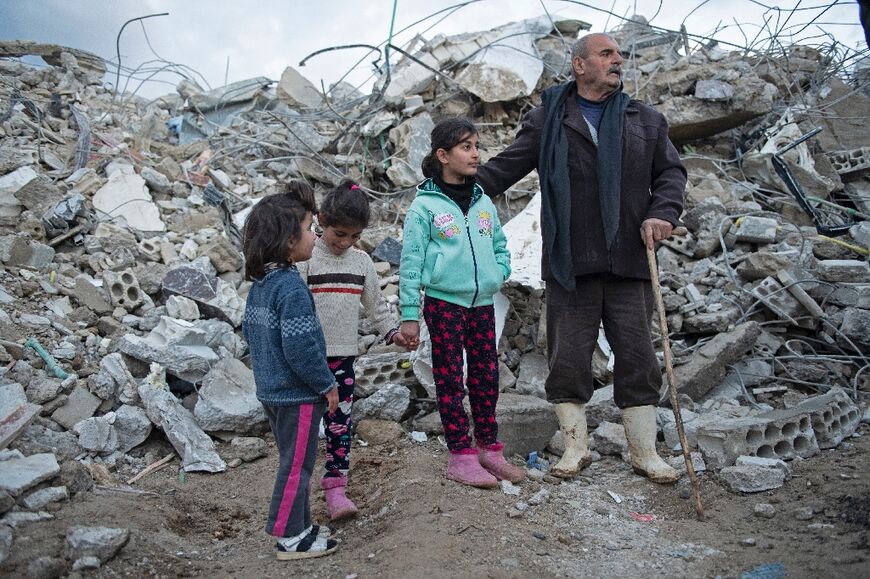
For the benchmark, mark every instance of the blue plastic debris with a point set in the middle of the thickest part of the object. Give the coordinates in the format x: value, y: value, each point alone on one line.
x: 768, y: 571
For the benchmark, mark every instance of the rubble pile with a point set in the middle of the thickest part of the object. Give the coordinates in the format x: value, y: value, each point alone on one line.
x: 121, y: 293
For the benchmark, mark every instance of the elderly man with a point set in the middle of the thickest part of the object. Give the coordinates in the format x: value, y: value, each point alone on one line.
x: 611, y: 182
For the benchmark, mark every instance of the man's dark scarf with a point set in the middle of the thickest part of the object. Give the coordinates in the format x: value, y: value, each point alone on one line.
x: 556, y: 183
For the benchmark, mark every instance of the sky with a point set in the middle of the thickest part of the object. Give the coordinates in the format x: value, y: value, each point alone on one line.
x: 228, y: 41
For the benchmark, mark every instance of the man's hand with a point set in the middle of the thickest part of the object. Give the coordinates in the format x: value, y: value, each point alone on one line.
x: 652, y: 230
x: 332, y: 399
x: 410, y: 331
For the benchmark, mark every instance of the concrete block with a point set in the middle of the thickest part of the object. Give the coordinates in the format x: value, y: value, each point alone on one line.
x: 609, y: 438
x: 123, y: 289
x: 844, y: 270
x: 765, y: 462
x: 753, y: 229
x: 377, y: 370
x: 751, y: 479
x: 775, y: 435
x: 833, y: 416
x: 779, y: 301
x: 850, y: 161
x: 525, y: 423
x: 177, y: 345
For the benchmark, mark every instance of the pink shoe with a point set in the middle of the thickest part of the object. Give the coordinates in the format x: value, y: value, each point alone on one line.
x: 492, y: 459
x: 338, y: 506
x: 464, y: 468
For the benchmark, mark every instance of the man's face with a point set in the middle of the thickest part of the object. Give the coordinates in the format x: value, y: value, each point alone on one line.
x: 601, y: 70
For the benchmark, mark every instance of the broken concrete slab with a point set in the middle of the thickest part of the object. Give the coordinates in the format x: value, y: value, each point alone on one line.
x: 391, y: 402
x: 20, y: 251
x: 125, y: 196
x: 709, y: 364
x: 766, y: 463
x: 90, y: 293
x: 246, y: 448
x: 177, y: 345
x: 196, y: 449
x: 10, y: 206
x: 855, y: 328
x: 297, y: 91
x: 19, y: 473
x: 509, y: 68
x: 411, y: 140
x: 80, y: 405
x: 132, y: 425
x: 215, y: 297
x: 228, y: 399
x: 100, y: 542
x: 39, y: 499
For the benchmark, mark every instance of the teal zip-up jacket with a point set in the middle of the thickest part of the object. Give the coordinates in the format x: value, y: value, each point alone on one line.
x: 461, y: 259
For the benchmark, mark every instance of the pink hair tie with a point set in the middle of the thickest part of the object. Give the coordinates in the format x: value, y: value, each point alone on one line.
x: 352, y: 187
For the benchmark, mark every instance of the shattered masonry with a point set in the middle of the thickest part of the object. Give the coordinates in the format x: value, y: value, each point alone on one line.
x: 120, y: 261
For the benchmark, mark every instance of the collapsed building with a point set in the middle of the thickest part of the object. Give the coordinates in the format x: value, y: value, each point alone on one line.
x: 121, y: 293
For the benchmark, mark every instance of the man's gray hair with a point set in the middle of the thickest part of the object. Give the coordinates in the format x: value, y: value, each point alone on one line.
x: 580, y: 47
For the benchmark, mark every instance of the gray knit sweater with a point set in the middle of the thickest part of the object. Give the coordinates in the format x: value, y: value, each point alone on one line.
x: 339, y: 284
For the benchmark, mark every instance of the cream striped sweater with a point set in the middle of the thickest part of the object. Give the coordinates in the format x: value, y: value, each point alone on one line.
x: 339, y: 283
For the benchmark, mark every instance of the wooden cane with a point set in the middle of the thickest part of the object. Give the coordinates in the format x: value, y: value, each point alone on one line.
x: 672, y: 381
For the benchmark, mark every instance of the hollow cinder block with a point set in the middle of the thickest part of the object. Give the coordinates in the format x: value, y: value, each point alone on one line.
x: 768, y: 436
x: 377, y: 370
x: 833, y: 416
x: 123, y: 289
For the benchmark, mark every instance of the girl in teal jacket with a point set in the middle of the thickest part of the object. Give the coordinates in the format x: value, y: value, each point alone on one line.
x: 455, y: 251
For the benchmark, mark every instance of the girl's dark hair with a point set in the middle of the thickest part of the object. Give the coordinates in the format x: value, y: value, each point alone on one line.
x: 447, y: 134
x: 346, y: 205
x: 272, y: 224
x: 301, y: 192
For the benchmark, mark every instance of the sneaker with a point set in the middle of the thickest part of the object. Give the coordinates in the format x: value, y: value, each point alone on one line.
x: 322, y: 531
x: 307, y: 545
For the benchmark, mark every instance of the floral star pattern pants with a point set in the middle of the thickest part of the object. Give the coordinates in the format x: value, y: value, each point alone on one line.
x: 453, y: 328
x: 337, y: 424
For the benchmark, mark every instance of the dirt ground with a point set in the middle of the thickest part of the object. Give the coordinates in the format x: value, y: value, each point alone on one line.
x: 415, y: 523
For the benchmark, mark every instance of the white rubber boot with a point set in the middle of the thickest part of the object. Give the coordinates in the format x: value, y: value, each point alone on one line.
x: 640, y: 430
x: 572, y: 423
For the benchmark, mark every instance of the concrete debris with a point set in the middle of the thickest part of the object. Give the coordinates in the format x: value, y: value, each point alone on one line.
x: 20, y: 472
x: 228, y: 399
x: 196, y: 449
x: 177, y: 345
x: 100, y: 542
x: 130, y: 256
